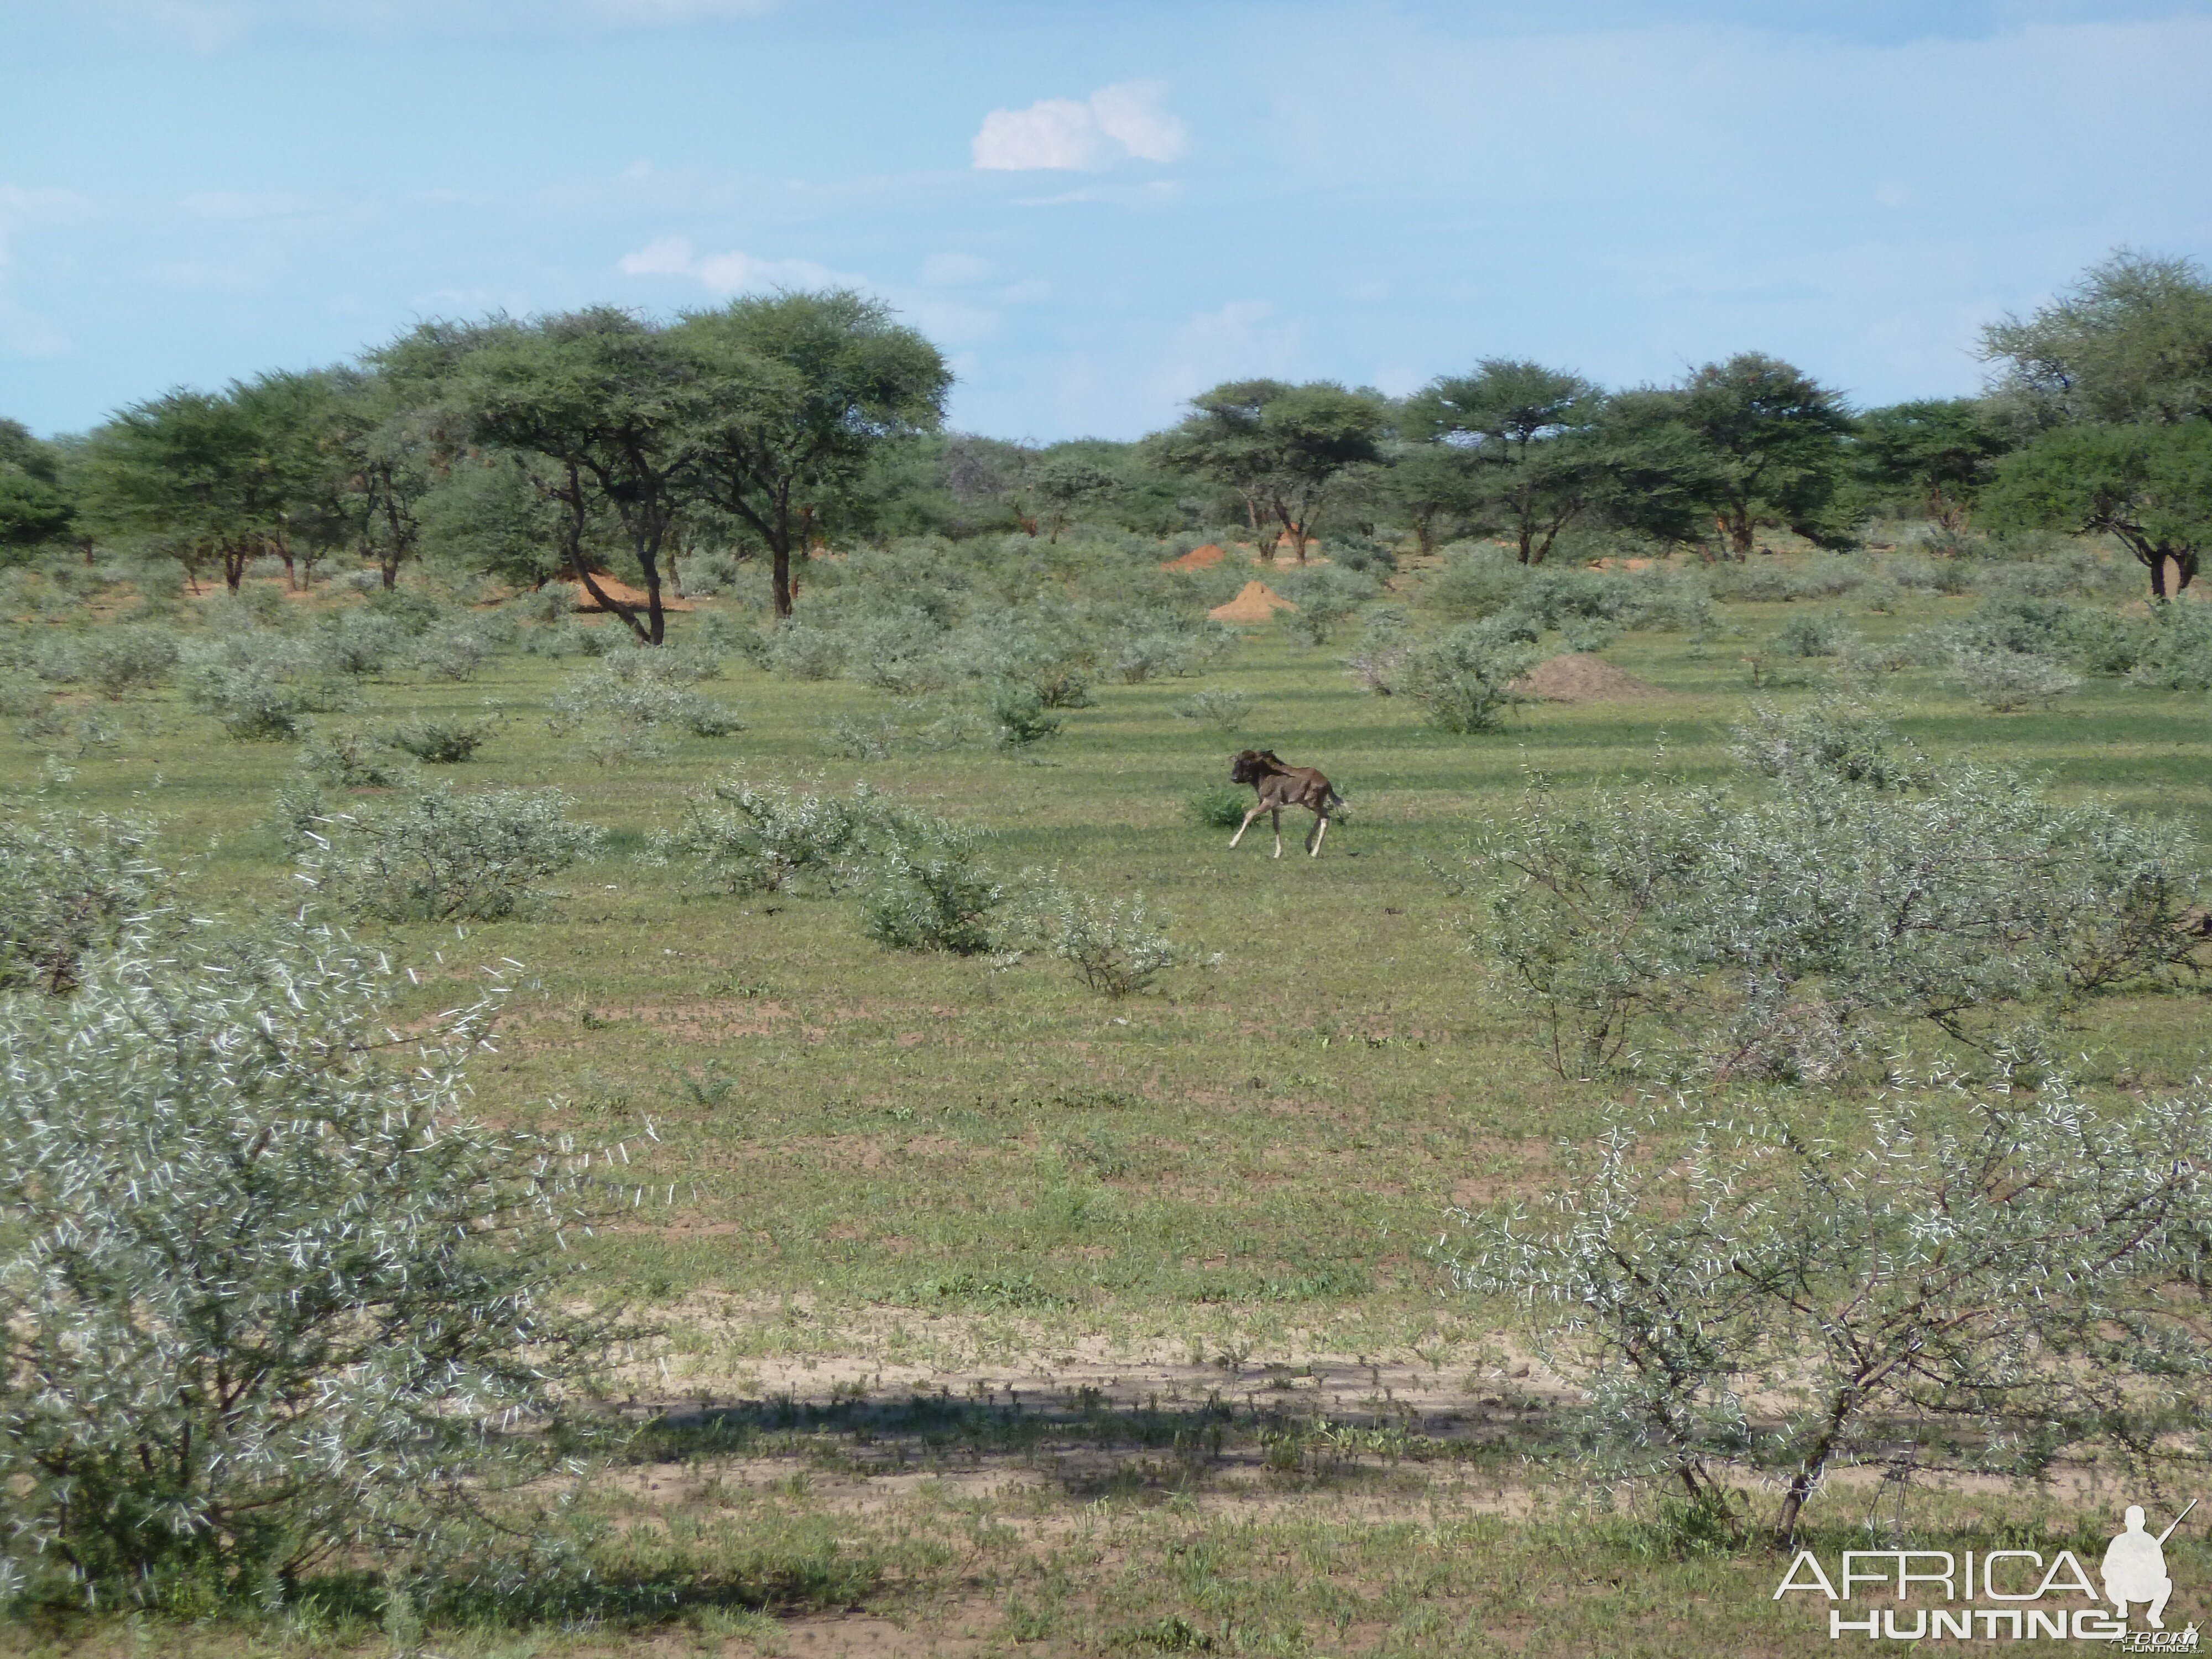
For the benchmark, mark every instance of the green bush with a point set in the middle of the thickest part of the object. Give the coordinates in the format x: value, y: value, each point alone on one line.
x: 270, y: 1300
x: 361, y: 640
x: 1464, y: 680
x: 443, y: 742
x: 452, y: 652
x: 1839, y: 737
x: 1119, y: 946
x: 749, y: 837
x: 353, y: 760
x: 261, y: 684
x: 2176, y: 655
x: 1814, y: 634
x: 441, y: 856
x: 931, y: 893
x: 622, y: 706
x: 1221, y: 807
x: 1019, y: 715
x: 1990, y: 1281
x: 116, y: 661
x: 2004, y: 681
x: 70, y: 883
x: 1786, y: 936
x: 1224, y: 709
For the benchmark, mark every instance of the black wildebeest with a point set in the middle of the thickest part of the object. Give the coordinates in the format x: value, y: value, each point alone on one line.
x: 1279, y: 785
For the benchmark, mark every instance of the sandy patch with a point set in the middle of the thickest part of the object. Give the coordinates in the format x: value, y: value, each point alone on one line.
x: 1198, y: 558
x: 1576, y: 677
x: 1256, y: 603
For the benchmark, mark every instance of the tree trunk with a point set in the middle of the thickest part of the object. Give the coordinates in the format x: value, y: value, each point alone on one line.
x: 1740, y: 532
x: 233, y: 567
x: 779, y: 567
x: 656, y: 630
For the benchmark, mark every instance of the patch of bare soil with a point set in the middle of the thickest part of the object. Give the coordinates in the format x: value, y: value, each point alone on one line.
x: 1198, y: 558
x: 1256, y: 603
x: 1576, y: 677
x: 627, y: 594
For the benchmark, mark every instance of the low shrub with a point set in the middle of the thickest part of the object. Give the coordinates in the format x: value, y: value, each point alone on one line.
x: 1223, y: 709
x: 623, y: 704
x: 443, y: 742
x: 2006, y: 681
x: 800, y: 651
x: 1119, y: 946
x: 748, y: 837
x: 1463, y: 680
x: 1019, y: 715
x: 361, y: 642
x: 1814, y: 634
x: 1988, y: 1280
x: 2176, y: 650
x: 71, y: 883
x: 116, y: 661
x: 262, y: 684
x: 1841, y: 737
x: 452, y: 652
x: 1221, y: 807
x: 441, y: 856
x: 353, y: 760
x: 931, y: 893
x: 273, y: 1302
x: 1786, y: 937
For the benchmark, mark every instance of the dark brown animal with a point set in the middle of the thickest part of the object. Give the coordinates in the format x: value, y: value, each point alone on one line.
x: 1279, y: 785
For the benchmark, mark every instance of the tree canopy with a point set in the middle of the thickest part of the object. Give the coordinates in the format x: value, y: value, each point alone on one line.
x: 1283, y: 449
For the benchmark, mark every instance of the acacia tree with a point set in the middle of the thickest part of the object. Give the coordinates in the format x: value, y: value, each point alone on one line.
x: 191, y: 469
x: 796, y: 391
x: 618, y: 408
x: 1527, y: 429
x: 1938, y: 452
x: 1773, y: 437
x: 2130, y: 342
x: 1067, y: 484
x: 1286, y: 449
x: 2150, y: 486
x: 1433, y: 487
x: 34, y: 506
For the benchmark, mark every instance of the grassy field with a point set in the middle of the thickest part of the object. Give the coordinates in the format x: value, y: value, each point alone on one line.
x: 999, y: 1313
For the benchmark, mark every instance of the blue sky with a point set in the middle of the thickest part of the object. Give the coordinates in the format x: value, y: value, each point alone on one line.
x: 1095, y: 209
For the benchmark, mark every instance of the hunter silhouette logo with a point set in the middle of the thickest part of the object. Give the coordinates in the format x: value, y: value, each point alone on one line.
x: 2134, y: 1568
x: 2004, y: 1594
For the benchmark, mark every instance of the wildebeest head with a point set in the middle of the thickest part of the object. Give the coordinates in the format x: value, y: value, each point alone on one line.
x: 1253, y: 764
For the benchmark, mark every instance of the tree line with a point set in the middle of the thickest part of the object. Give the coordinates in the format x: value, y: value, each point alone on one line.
x: 598, y: 443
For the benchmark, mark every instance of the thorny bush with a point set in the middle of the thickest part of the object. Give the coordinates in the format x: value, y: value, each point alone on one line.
x: 269, y: 1300
x: 1782, y: 937
x: 1981, y: 1281
x: 70, y: 883
x: 443, y: 856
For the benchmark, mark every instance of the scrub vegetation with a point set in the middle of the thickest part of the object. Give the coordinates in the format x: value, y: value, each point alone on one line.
x: 639, y: 1033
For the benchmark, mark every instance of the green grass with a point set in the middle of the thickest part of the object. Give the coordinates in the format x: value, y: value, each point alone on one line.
x: 880, y: 1174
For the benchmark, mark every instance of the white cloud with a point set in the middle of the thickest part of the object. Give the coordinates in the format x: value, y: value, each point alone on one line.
x: 733, y: 272
x: 1130, y: 119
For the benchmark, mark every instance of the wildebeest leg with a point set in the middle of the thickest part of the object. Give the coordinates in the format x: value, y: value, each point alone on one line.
x: 1278, y: 813
x: 1258, y: 807
x: 1321, y: 828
